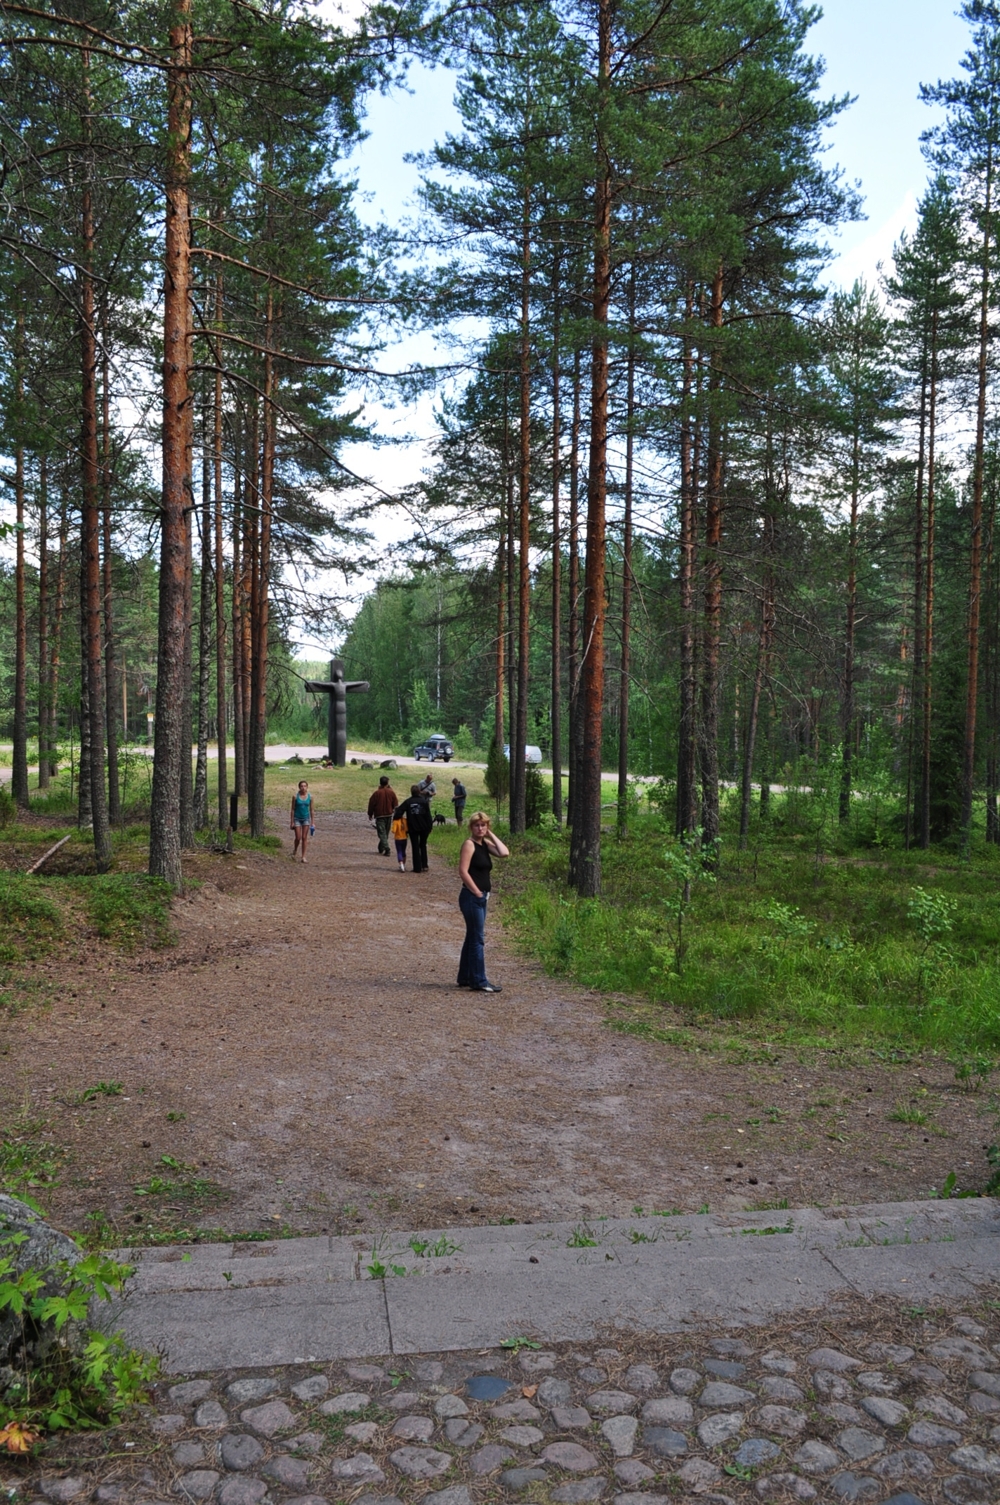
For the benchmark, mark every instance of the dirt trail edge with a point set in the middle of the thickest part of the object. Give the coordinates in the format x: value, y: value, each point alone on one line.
x: 304, y: 1049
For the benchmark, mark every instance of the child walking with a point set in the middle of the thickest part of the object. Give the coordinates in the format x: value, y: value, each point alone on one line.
x: 301, y: 818
x: 399, y: 835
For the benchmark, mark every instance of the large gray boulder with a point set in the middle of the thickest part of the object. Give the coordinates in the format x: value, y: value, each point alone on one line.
x: 23, y: 1341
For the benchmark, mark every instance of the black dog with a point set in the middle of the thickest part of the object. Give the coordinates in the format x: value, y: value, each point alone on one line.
x: 439, y: 820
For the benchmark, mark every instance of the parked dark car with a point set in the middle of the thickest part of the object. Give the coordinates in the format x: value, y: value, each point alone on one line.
x: 435, y: 747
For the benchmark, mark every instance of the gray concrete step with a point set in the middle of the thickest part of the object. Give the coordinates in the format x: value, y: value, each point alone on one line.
x: 298, y: 1300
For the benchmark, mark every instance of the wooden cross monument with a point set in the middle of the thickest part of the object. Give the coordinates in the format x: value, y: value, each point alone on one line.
x: 337, y: 688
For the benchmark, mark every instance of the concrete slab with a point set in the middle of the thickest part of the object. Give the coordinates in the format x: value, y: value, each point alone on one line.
x: 294, y: 1300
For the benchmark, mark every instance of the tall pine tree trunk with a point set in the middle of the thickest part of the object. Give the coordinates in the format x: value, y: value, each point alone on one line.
x: 713, y: 584
x: 928, y: 611
x: 55, y: 663
x: 44, y: 672
x: 239, y: 769
x: 262, y: 593
x: 90, y: 544
x: 520, y: 736
x: 204, y: 635
x: 626, y: 641
x: 687, y: 808
x: 763, y: 651
x: 918, y: 605
x: 976, y: 546
x: 220, y: 581
x: 573, y: 632
x: 165, y: 814
x: 847, y: 694
x: 19, y: 773
x: 585, y: 850
x: 110, y: 674
x: 555, y: 715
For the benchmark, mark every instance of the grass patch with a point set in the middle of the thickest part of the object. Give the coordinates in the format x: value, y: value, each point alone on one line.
x: 29, y: 918
x: 817, y: 949
x: 128, y: 909
x: 29, y: 1163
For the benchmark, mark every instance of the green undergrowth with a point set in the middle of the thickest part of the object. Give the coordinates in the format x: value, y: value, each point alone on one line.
x: 126, y: 909
x: 891, y: 950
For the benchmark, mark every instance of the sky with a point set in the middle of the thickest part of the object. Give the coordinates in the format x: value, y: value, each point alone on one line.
x: 876, y: 51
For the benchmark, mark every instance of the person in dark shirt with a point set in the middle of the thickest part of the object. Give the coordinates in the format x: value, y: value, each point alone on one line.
x: 458, y: 800
x: 475, y: 864
x: 380, y: 807
x: 419, y: 824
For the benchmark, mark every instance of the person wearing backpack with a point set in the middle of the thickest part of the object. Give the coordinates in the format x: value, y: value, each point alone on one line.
x: 419, y: 824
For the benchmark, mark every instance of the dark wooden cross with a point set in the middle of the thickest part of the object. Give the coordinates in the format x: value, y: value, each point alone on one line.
x: 337, y: 687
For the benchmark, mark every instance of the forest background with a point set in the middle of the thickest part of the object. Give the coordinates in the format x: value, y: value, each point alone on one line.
x: 688, y: 514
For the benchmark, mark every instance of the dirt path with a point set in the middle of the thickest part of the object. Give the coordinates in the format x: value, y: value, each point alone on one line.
x: 304, y: 1047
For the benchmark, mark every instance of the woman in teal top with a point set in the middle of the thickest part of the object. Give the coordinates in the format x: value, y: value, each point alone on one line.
x: 302, y: 819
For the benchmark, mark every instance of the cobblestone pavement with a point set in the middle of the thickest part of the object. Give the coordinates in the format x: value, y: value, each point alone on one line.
x: 864, y: 1401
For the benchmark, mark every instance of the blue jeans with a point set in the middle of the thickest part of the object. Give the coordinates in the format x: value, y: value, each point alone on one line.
x: 472, y: 964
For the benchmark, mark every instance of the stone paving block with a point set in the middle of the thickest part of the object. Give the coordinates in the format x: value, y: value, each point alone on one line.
x: 715, y: 1430
x: 699, y: 1474
x: 858, y: 1444
x: 642, y: 1378
x: 240, y: 1452
x: 187, y: 1454
x: 569, y: 1455
x: 67, y: 1487
x: 668, y: 1411
x: 891, y: 1413
x: 630, y: 1471
x: 269, y: 1419
x: 490, y: 1458
x: 191, y: 1391
x: 756, y: 1451
x: 781, y: 1420
x: 578, y: 1491
x: 364, y: 1432
x: 849, y: 1486
x: 814, y: 1457
x: 619, y: 1432
x: 927, y: 1434
x: 240, y: 1392
x: 664, y: 1442
x: 360, y: 1469
x: 198, y: 1484
x: 311, y: 1388
x: 450, y: 1405
x: 458, y: 1494
x: 347, y: 1401
x: 291, y: 1473
x: 611, y: 1403
x: 211, y: 1414
x: 783, y: 1487
x: 413, y: 1429
x: 977, y: 1460
x: 518, y: 1479
x: 241, y: 1489
x: 908, y: 1463
x: 420, y: 1463
x: 571, y: 1418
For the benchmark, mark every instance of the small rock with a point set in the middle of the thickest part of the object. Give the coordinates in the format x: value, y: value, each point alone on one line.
x: 189, y: 1392
x: 361, y: 1469
x: 844, y: 1415
x: 668, y: 1410
x: 929, y: 1373
x: 110, y: 1494
x: 371, y: 1374
x: 349, y: 1400
x: 859, y: 1444
x: 240, y: 1392
x: 725, y: 1369
x: 605, y: 1354
x: 908, y: 1463
x: 577, y: 1491
x: 832, y: 1386
x: 591, y: 1375
x: 364, y: 1432
x: 963, y: 1489
x: 780, y: 1486
x: 664, y: 1441
x: 891, y: 1413
x: 450, y: 1405
x: 983, y: 1405
x: 718, y: 1393
x: 569, y: 1455
x: 269, y: 1419
x: 684, y: 1381
x: 536, y: 1363
x: 976, y: 1459
x: 312, y: 1441
x: 428, y: 1371
x: 463, y: 1434
x: 778, y: 1363
x: 980, y: 1380
x: 187, y: 1454
x: 403, y: 1400
x: 65, y: 1488
x: 168, y: 1424
x: 876, y: 1383
x: 611, y: 1402
x: 963, y: 1351
x: 421, y: 1463
x: 293, y: 1473
x: 969, y: 1327
x: 781, y: 1420
x: 776, y: 1387
x: 641, y: 1377
x: 241, y: 1490
x: 519, y: 1410
x: 319, y: 1500
x: 365, y: 1500
x: 311, y: 1388
x: 756, y: 1451
x: 489, y: 1459
x: 848, y: 1486
x: 631, y: 1472
x: 522, y: 1437
x: 715, y: 1430
x: 941, y: 1407
x: 832, y: 1358
x: 814, y: 1457
x: 516, y: 1479
x: 553, y: 1392
x: 211, y: 1414
x: 413, y: 1429
x: 456, y: 1495
x: 904, y: 1498
x: 889, y: 1353
x: 240, y: 1452
x: 198, y: 1484
x: 700, y: 1475
x: 642, y: 1499
x: 568, y: 1418
x: 927, y: 1434
x: 620, y: 1432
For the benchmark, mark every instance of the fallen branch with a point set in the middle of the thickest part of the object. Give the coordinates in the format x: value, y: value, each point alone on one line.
x: 46, y: 855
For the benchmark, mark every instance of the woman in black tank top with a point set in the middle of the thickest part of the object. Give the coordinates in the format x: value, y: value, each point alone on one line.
x: 474, y: 868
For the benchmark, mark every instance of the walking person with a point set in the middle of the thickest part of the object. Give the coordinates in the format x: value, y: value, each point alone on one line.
x: 427, y: 786
x: 419, y: 823
x: 475, y: 864
x: 399, y: 833
x: 458, y: 800
x: 302, y: 819
x: 380, y: 809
